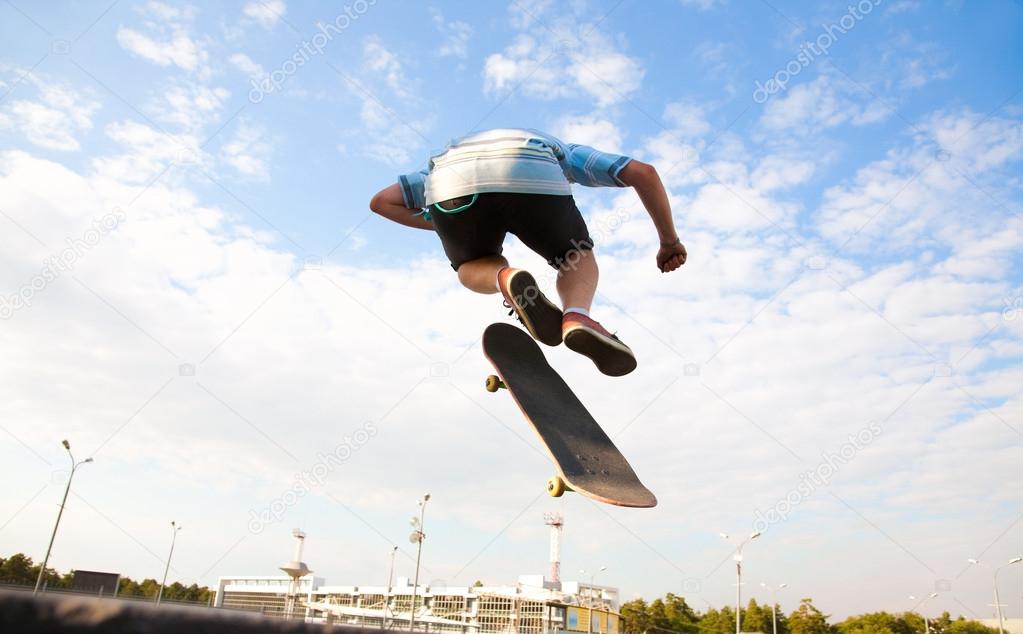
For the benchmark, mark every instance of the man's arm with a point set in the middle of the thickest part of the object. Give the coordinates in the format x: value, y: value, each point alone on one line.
x: 644, y: 179
x: 388, y: 202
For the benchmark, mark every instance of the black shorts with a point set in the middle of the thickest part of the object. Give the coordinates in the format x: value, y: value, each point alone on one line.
x: 549, y: 225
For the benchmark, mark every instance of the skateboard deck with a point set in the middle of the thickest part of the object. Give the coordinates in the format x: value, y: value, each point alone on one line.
x: 586, y: 459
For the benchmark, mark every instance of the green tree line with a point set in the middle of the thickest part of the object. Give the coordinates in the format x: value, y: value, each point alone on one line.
x: 672, y: 614
x: 19, y: 569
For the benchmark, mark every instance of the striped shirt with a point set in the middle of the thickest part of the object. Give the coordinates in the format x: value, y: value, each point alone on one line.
x: 509, y: 160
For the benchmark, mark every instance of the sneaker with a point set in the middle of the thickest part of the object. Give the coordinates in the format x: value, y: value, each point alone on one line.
x: 590, y: 339
x: 522, y: 295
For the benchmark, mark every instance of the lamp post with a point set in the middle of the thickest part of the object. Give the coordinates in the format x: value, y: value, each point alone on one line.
x: 994, y: 581
x: 417, y: 538
x: 923, y: 602
x: 174, y: 528
x: 738, y: 574
x: 774, y: 602
x: 591, y: 601
x: 390, y: 584
x: 74, y: 465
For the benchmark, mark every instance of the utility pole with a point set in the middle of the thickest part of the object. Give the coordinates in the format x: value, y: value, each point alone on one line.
x: 175, y: 528
x: 994, y: 580
x: 46, y: 559
x: 417, y: 538
x: 774, y: 603
x: 738, y: 576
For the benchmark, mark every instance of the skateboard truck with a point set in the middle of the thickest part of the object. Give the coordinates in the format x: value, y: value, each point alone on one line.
x: 494, y: 383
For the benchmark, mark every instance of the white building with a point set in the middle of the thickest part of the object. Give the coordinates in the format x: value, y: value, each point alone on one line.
x: 531, y: 606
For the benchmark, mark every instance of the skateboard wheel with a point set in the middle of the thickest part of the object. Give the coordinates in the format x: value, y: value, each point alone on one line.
x: 494, y: 383
x: 556, y: 487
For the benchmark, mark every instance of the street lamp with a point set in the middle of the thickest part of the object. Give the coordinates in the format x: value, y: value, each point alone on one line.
x: 774, y: 602
x: 174, y: 528
x: 927, y: 625
x: 74, y: 465
x: 738, y: 573
x: 417, y: 538
x: 994, y: 581
x: 592, y: 599
x: 390, y: 584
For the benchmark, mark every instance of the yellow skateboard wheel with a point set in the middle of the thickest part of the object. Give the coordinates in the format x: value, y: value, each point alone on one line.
x: 494, y: 383
x: 556, y: 487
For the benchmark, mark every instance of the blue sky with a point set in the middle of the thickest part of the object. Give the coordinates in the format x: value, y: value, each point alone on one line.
x: 854, y: 249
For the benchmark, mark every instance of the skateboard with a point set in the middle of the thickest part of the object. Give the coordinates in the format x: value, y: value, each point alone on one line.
x: 586, y: 459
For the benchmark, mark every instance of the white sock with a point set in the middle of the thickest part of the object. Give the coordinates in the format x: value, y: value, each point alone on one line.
x: 581, y: 311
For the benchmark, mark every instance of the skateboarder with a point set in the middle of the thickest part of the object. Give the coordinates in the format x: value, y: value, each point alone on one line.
x: 491, y: 183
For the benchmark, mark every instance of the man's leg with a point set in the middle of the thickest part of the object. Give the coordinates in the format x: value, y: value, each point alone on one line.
x: 480, y: 275
x: 577, y: 279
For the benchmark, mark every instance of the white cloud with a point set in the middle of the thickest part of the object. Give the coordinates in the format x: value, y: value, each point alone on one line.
x: 247, y: 152
x: 379, y: 60
x: 454, y: 34
x: 190, y: 105
x: 146, y: 152
x: 687, y: 119
x: 702, y: 5
x: 592, y: 130
x: 245, y: 64
x: 265, y: 12
x: 55, y: 119
x: 179, y: 49
x: 569, y: 59
x: 390, y: 108
x: 900, y: 200
x: 823, y: 103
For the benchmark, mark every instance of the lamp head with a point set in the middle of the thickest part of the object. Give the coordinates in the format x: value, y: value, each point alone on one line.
x: 932, y: 595
x: 973, y: 561
x: 66, y: 444
x: 1015, y: 560
x: 723, y: 535
x: 755, y: 535
x: 87, y: 460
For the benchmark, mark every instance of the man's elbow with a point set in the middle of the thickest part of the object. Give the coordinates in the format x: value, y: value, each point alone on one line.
x: 378, y: 202
x: 638, y: 173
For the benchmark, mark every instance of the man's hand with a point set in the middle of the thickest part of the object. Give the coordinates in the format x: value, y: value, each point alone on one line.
x: 644, y: 179
x: 671, y: 256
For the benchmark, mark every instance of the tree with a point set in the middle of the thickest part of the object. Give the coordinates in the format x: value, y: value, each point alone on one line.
x: 876, y: 623
x: 962, y: 626
x: 807, y: 619
x: 634, y: 613
x: 755, y: 618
